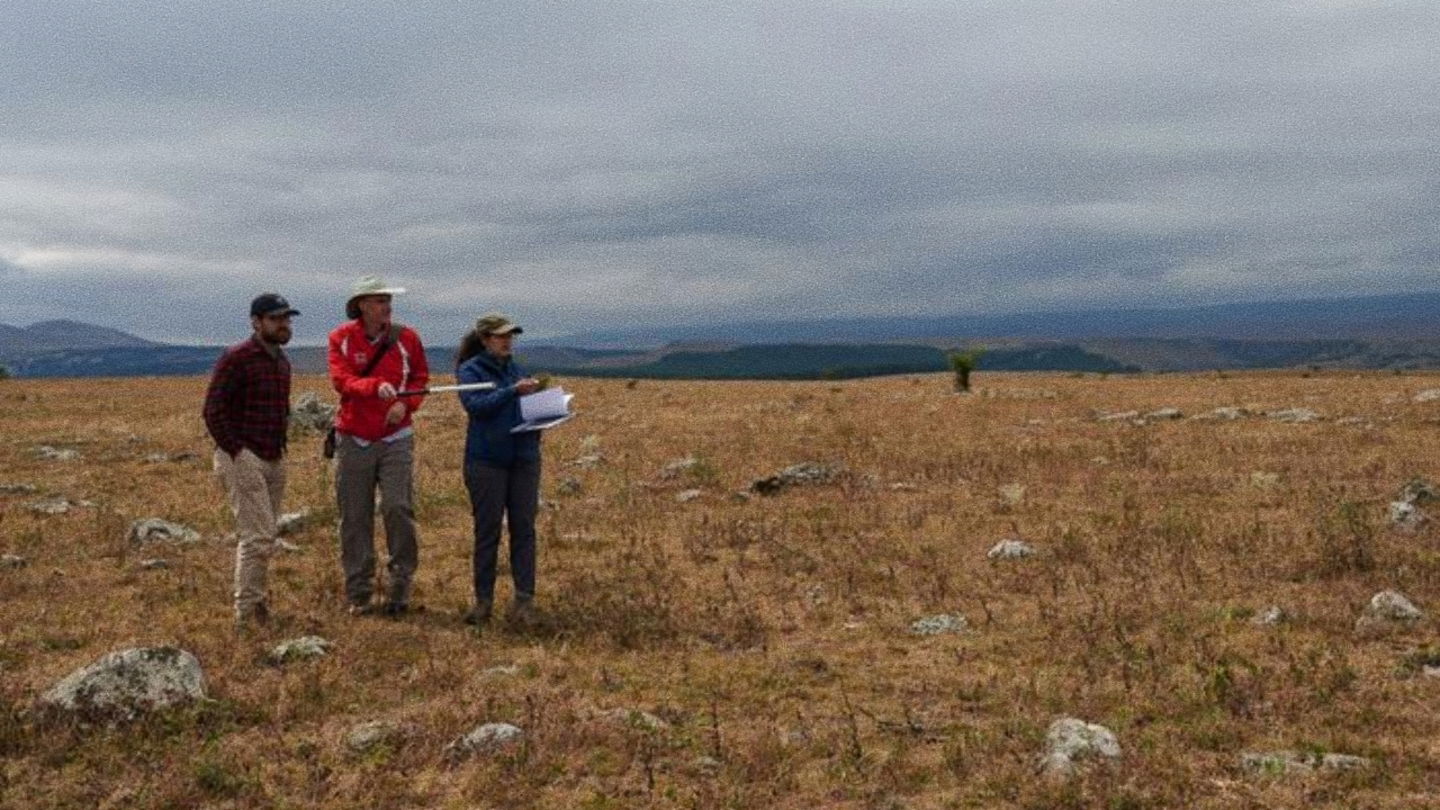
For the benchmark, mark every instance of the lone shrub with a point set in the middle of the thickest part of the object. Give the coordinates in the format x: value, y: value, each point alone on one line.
x: 962, y: 363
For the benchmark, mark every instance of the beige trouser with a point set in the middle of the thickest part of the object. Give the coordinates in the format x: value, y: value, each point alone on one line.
x: 254, y: 487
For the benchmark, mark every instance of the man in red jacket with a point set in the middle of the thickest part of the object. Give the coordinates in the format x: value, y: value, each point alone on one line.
x: 372, y: 359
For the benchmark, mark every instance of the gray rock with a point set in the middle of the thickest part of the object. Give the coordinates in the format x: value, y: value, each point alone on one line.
x: 633, y: 718
x: 126, y: 683
x: 13, y: 561
x: 1418, y: 491
x: 688, y: 495
x: 50, y: 506
x: 1228, y: 413
x: 310, y: 413
x: 18, y: 489
x: 366, y: 737
x: 299, y: 649
x: 155, y: 530
x: 49, y: 453
x: 1012, y: 549
x: 156, y: 564
x: 1387, y: 609
x: 163, y: 458
x: 293, y: 522
x: 1293, y: 415
x: 488, y: 738
x: 941, y: 624
x: 1070, y: 741
x: 1280, y: 763
x: 1407, y: 516
x: 1270, y: 616
x: 1118, y: 416
x: 805, y: 473
x: 1428, y: 395
x: 501, y: 671
x: 678, y: 467
x: 1164, y: 414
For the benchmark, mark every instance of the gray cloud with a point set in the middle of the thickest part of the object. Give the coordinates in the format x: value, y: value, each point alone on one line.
x: 583, y: 164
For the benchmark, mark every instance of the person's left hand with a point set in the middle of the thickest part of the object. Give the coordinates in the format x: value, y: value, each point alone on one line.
x: 395, y: 414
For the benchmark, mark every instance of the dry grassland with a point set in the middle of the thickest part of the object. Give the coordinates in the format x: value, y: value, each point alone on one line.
x: 771, y: 635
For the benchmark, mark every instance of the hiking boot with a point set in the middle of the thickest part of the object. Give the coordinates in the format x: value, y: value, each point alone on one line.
x: 478, y: 615
x: 523, y: 613
x: 395, y: 609
x: 361, y: 609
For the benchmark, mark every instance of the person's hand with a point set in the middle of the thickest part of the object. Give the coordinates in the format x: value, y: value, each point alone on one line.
x: 529, y: 385
x: 386, y: 391
x: 395, y: 414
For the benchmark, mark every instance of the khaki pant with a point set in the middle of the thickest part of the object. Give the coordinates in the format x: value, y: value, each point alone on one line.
x: 254, y: 487
x: 359, y: 471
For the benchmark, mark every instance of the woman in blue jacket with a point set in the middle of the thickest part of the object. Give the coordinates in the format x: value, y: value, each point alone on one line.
x: 502, y: 469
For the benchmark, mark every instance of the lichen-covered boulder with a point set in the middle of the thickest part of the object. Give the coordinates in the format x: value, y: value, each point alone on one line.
x: 299, y: 649
x: 940, y: 625
x: 1070, y: 741
x: 1011, y: 549
x: 1387, y: 610
x: 488, y: 738
x: 127, y: 683
x: 155, y: 530
x: 368, y: 736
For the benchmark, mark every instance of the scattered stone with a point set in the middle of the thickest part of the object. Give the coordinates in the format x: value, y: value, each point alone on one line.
x: 1164, y: 414
x: 18, y: 489
x: 1119, y: 416
x: 1228, y: 413
x: 1270, y: 616
x: 501, y: 671
x: 1070, y: 741
x: 49, y: 453
x: 1012, y: 549
x: 162, y: 458
x: 293, y: 522
x: 939, y: 625
x: 1430, y: 672
x: 808, y: 472
x: 128, y: 682
x: 1279, y: 763
x: 1264, y: 480
x: 156, y: 564
x: 1387, y: 609
x: 1407, y: 516
x: 484, y: 739
x: 588, y: 461
x: 707, y: 765
x: 569, y: 485
x: 634, y: 718
x: 678, y: 467
x: 310, y: 413
x: 1011, y: 494
x: 903, y: 486
x: 155, y: 530
x: 1428, y: 395
x: 590, y: 443
x: 1417, y: 491
x: 50, y: 506
x: 688, y: 495
x: 1293, y: 415
x: 368, y: 736
x: 13, y: 561
x: 299, y: 649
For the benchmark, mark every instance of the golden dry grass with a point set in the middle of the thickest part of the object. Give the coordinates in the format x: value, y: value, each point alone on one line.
x: 771, y: 635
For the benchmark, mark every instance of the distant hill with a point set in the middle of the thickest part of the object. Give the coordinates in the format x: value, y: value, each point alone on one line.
x: 1376, y: 332
x: 1380, y: 317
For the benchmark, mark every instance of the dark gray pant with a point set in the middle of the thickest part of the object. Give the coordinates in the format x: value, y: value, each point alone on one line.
x: 514, y: 494
x: 358, y: 472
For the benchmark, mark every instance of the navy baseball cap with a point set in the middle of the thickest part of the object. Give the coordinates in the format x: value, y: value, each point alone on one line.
x: 271, y: 304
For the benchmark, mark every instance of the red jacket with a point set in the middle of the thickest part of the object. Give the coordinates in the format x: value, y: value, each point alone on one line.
x: 362, y: 412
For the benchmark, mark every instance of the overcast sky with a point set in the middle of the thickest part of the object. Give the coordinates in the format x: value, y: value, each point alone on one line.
x: 600, y: 165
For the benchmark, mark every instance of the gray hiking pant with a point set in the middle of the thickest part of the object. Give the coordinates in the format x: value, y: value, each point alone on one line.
x: 358, y: 472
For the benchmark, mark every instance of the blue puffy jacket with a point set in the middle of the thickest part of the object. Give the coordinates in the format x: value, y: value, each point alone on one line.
x: 488, y: 439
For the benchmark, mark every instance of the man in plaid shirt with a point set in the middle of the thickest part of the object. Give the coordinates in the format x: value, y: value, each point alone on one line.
x: 246, y: 411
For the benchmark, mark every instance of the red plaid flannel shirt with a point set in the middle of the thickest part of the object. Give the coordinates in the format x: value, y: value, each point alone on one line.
x: 248, y: 403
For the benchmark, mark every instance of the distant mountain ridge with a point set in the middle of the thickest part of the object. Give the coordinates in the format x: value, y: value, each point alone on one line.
x: 1399, y: 332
